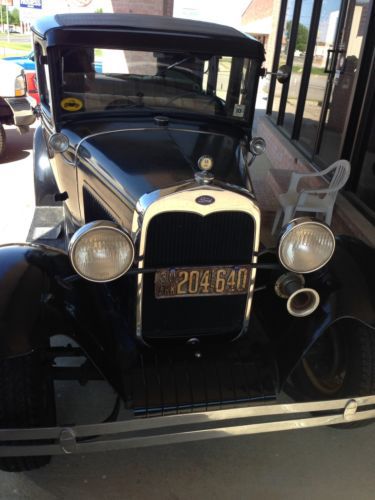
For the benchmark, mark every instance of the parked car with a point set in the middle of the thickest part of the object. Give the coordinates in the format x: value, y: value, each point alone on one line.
x: 145, y: 250
x: 28, y: 64
x: 15, y: 107
x: 26, y: 61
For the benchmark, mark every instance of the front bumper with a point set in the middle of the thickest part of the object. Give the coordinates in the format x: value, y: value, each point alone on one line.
x: 182, y: 428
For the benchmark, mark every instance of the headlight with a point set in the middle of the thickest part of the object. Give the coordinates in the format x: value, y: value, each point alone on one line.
x: 101, y: 251
x: 257, y: 146
x: 20, y: 85
x: 306, y: 245
x: 58, y: 142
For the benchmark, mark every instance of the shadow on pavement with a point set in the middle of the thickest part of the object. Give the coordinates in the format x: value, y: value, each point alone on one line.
x: 17, y: 146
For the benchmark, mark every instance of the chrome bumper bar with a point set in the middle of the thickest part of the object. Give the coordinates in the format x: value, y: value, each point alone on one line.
x: 182, y: 428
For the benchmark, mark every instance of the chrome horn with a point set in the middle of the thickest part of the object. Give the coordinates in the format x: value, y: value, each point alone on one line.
x: 301, y: 301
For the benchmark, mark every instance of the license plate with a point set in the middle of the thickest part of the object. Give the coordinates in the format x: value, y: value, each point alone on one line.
x: 198, y: 281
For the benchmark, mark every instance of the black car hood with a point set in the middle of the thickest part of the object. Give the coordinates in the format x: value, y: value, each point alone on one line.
x: 146, y: 158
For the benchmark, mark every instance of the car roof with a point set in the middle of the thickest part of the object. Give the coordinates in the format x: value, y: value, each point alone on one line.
x: 163, y: 32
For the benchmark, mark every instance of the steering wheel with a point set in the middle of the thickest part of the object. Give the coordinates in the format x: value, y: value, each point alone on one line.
x: 121, y: 103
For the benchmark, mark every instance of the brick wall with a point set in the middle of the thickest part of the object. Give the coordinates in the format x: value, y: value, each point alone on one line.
x: 262, y: 10
x: 257, y: 9
x: 279, y: 149
x: 153, y: 7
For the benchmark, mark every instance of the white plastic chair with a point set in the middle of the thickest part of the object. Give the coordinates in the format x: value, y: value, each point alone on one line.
x: 317, y: 200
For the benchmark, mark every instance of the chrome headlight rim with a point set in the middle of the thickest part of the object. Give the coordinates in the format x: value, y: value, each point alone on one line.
x: 54, y: 140
x: 90, y: 227
x: 297, y: 222
x: 257, y: 146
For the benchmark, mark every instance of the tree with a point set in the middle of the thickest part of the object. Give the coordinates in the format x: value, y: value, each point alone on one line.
x: 14, y: 17
x: 302, y: 36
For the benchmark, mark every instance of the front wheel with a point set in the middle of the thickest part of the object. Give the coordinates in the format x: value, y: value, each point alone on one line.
x: 341, y: 364
x: 26, y: 400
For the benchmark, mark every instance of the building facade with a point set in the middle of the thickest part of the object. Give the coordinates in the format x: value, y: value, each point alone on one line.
x: 327, y: 109
x: 30, y: 10
x: 260, y: 21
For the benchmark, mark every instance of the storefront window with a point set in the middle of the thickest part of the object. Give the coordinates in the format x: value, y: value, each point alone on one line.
x: 283, y: 55
x: 298, y: 64
x: 366, y: 186
x: 344, y: 81
x: 320, y: 72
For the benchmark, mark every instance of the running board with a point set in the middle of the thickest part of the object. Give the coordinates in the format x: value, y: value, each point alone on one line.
x: 46, y: 225
x: 153, y: 431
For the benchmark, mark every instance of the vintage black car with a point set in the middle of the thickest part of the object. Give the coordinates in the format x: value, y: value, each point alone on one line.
x: 145, y: 250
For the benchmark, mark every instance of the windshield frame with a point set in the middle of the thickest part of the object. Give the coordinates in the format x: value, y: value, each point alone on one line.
x: 61, y: 117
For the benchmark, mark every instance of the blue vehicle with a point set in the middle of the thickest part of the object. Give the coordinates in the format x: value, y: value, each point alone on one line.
x: 26, y: 62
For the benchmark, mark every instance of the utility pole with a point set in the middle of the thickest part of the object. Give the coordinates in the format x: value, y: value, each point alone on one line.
x: 6, y: 8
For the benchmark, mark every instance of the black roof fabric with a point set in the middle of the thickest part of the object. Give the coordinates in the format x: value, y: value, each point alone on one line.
x: 140, y: 22
x: 137, y: 24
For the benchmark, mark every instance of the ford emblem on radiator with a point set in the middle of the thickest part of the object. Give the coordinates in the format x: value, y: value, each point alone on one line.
x: 205, y: 200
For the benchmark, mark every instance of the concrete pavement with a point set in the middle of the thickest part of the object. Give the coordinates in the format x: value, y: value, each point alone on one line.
x: 319, y: 464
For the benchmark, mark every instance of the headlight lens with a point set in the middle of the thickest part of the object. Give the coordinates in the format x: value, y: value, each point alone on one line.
x: 101, y: 251
x: 306, y: 246
x: 59, y: 142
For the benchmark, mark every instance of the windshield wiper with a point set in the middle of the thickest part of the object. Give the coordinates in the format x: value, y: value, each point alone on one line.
x: 177, y: 63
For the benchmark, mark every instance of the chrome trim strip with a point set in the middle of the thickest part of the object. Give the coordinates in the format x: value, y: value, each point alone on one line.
x: 149, y: 129
x: 166, y: 429
x: 183, y: 200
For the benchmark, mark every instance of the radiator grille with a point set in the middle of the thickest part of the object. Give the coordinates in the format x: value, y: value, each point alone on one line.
x: 94, y: 209
x: 187, y: 239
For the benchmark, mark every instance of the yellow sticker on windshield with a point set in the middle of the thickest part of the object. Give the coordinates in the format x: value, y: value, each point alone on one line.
x: 71, y: 104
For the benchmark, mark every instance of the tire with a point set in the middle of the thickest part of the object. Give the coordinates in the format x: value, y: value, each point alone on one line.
x: 346, y: 353
x: 26, y: 400
x: 2, y: 141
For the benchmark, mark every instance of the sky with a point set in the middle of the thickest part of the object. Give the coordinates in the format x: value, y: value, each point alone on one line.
x: 217, y: 11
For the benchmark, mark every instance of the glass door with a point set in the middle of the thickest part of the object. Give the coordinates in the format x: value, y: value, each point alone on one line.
x: 321, y: 75
x: 339, y: 42
x: 343, y: 82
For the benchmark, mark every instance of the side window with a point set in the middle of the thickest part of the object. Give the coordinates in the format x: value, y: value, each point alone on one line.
x: 223, y: 75
x: 43, y: 77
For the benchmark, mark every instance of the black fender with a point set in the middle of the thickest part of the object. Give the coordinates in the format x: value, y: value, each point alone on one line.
x: 25, y: 282
x: 45, y: 186
x: 346, y: 286
x: 41, y: 296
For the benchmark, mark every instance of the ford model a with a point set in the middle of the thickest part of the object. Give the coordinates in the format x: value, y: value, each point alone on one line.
x: 145, y: 250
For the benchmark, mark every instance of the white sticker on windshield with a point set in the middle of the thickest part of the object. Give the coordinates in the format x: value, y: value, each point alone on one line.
x: 239, y: 110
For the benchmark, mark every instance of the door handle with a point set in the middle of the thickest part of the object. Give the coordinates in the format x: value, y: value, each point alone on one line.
x: 329, y: 61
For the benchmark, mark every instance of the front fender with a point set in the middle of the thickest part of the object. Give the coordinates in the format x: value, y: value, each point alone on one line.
x: 36, y: 302
x: 347, y: 291
x: 45, y: 186
x: 25, y: 282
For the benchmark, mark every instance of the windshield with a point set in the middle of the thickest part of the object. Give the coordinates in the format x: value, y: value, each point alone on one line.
x: 110, y: 80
